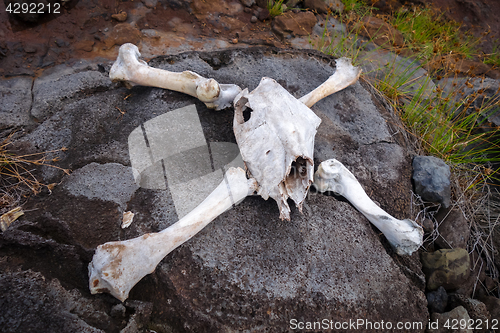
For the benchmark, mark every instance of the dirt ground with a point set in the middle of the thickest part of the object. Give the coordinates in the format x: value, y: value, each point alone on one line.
x: 86, y: 29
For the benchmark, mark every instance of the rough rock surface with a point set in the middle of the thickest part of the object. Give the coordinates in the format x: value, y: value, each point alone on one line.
x: 247, y: 270
x: 454, y: 231
x: 15, y: 94
x: 431, y: 177
x: 318, y: 6
x: 476, y: 309
x: 457, y: 314
x: 492, y: 305
x: 447, y: 268
x: 437, y: 300
x: 51, y: 90
x: 294, y: 24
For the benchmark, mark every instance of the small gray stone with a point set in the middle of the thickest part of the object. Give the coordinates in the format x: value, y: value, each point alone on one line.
x: 437, y: 300
x: 379, y: 63
x: 438, y: 321
x: 30, y: 49
x: 59, y: 42
x: 485, y: 90
x: 254, y: 19
x: 431, y: 176
x: 151, y: 33
x: 248, y: 3
x: 428, y: 225
x: 118, y: 311
x: 263, y: 14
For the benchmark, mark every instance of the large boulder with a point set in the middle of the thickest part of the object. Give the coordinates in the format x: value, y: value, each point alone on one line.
x: 247, y: 270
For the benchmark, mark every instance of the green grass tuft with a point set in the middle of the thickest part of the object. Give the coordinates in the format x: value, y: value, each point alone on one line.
x: 275, y: 7
x: 429, y: 34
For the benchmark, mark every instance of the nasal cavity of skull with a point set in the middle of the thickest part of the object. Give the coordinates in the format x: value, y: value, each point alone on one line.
x: 243, y: 112
x: 299, y: 168
x: 247, y: 113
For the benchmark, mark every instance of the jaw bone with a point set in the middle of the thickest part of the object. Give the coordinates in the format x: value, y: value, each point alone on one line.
x: 405, y: 236
x: 130, y: 69
x: 117, y: 266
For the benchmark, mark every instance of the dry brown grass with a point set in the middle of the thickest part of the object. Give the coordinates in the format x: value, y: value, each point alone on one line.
x: 16, y: 173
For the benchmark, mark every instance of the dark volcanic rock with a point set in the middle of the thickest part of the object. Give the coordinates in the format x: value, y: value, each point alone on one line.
x: 456, y: 315
x: 438, y: 300
x: 453, y: 229
x: 15, y: 94
x: 431, y: 177
x: 62, y: 85
x: 247, y: 270
x: 476, y: 309
x: 45, y: 306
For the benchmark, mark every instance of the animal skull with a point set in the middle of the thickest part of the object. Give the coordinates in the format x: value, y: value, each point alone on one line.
x: 277, y: 142
x: 275, y: 133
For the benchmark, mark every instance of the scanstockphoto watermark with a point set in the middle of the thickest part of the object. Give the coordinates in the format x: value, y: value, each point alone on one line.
x: 355, y: 324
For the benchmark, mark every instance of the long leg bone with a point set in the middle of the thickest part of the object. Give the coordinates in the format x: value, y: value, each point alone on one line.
x: 117, y: 266
x: 345, y: 75
x: 405, y: 236
x: 130, y: 69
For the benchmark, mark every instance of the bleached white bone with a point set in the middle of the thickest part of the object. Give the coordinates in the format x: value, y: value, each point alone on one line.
x: 117, y: 266
x: 405, y: 236
x: 130, y: 69
x: 276, y: 142
x: 345, y: 75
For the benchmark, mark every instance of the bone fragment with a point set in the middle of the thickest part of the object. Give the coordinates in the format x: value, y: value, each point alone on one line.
x: 128, y: 217
x: 117, y: 266
x: 9, y: 217
x: 276, y: 142
x: 130, y: 69
x: 405, y: 236
x: 345, y: 75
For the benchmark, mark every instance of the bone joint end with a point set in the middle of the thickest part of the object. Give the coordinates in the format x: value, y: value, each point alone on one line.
x: 405, y: 236
x: 117, y: 266
x: 345, y: 75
